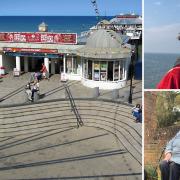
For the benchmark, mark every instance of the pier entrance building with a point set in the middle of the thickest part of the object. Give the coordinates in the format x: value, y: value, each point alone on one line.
x: 102, y: 62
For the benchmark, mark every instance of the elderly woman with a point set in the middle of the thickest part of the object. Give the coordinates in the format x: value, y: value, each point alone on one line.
x: 170, y: 166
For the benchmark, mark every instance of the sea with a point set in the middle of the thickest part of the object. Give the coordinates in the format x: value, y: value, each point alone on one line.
x: 60, y: 24
x: 155, y: 66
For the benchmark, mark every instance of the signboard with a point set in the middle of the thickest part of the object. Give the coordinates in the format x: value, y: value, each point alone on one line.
x: 64, y: 77
x: 54, y: 38
x: 16, y: 72
x: 31, y: 50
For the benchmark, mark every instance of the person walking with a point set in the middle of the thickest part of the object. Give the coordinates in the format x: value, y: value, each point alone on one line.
x: 170, y: 165
x: 44, y: 72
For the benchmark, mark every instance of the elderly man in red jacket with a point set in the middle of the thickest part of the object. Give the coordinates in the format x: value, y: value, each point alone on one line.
x: 171, y: 79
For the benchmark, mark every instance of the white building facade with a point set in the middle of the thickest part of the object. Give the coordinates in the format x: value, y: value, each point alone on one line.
x: 106, y: 72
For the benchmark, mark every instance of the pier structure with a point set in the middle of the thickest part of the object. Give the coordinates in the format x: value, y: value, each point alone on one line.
x: 102, y: 61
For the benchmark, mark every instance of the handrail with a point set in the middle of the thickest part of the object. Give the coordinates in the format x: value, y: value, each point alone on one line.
x: 73, y: 106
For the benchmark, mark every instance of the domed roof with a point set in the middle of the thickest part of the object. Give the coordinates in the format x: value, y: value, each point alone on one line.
x: 104, y: 22
x: 43, y: 24
x: 104, y: 44
x: 104, y: 39
x: 43, y: 27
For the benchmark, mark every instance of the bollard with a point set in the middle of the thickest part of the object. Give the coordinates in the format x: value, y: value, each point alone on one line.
x: 96, y: 92
x: 115, y: 94
x: 36, y: 96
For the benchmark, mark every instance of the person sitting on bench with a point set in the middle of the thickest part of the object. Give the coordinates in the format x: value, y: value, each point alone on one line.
x: 28, y: 91
x: 35, y: 88
x: 170, y: 166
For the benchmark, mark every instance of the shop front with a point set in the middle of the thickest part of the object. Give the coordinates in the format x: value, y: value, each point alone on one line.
x: 105, y: 60
x: 25, y: 52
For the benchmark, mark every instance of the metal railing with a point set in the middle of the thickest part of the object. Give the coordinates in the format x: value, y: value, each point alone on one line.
x: 73, y: 106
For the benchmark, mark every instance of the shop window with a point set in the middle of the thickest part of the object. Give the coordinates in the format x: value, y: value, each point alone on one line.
x: 69, y: 65
x: 76, y: 65
x: 85, y: 69
x: 121, y: 70
x: 96, y: 71
x: 116, y: 70
x: 103, y: 72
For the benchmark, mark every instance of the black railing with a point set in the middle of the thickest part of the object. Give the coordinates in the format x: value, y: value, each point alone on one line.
x: 73, y: 106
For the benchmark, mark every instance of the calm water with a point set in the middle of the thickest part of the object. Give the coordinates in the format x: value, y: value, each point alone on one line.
x: 155, y: 66
x: 63, y: 24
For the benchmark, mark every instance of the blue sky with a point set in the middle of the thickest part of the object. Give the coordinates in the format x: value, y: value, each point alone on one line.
x: 68, y: 7
x: 162, y: 25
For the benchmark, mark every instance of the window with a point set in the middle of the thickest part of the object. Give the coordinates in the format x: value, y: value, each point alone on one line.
x: 121, y: 69
x: 96, y: 71
x: 69, y: 64
x: 103, y: 72
x: 89, y: 69
x: 76, y: 65
x: 116, y: 70
x: 85, y: 75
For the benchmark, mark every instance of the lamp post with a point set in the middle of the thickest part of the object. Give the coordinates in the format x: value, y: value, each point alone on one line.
x: 131, y: 77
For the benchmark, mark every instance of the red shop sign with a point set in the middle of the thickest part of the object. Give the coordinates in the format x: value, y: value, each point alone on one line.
x: 55, y: 38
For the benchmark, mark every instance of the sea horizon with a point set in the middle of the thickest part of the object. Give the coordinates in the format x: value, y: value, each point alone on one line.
x: 59, y: 24
x: 155, y: 67
x: 162, y: 53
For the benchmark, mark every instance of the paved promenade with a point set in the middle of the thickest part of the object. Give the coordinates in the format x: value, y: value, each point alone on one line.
x: 42, y: 142
x: 12, y: 90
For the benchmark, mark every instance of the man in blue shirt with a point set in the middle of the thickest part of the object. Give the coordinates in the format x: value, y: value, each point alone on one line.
x: 170, y: 166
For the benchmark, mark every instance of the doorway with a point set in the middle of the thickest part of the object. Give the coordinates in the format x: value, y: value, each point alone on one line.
x: 58, y: 66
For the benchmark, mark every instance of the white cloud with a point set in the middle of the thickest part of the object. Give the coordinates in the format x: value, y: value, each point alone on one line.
x: 162, y: 39
x: 158, y: 3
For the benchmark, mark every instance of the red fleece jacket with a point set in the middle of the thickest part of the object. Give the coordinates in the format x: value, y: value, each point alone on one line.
x: 171, y: 79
